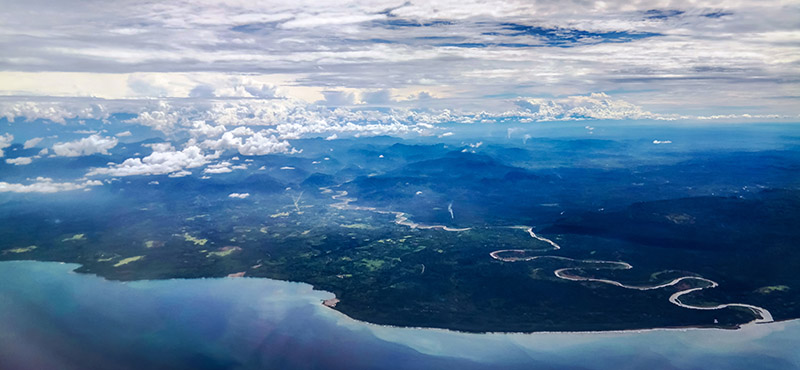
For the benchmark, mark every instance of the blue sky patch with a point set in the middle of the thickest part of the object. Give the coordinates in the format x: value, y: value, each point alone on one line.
x: 662, y: 14
x: 566, y: 37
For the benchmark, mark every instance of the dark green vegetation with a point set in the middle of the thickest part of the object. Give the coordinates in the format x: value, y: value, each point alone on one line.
x: 728, y: 216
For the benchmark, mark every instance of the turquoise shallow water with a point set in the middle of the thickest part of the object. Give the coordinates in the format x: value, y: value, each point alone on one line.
x: 53, y: 318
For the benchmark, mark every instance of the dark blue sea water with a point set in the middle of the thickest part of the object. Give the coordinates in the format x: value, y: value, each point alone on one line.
x: 52, y: 318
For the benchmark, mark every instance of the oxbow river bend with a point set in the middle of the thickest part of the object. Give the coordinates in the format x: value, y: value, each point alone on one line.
x: 55, y: 318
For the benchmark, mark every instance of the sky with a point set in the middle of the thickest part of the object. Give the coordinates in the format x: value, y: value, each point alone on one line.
x: 249, y: 77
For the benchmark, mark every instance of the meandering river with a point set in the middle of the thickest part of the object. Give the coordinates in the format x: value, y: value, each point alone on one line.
x: 761, y: 314
x: 517, y: 255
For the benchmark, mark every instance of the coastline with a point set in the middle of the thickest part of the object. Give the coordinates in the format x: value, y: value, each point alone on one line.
x: 342, y: 315
x: 254, y: 322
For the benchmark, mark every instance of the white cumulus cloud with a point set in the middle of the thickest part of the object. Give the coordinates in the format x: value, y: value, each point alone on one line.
x: 579, y: 107
x: 247, y: 142
x: 94, y: 144
x: 20, y: 161
x: 164, y: 160
x: 5, y: 142
x: 182, y: 173
x: 32, y: 142
x: 216, y: 168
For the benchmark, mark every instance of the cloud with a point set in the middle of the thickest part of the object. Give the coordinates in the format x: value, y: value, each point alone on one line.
x: 19, y: 161
x: 247, y: 142
x: 23, y: 161
x: 202, y: 91
x: 47, y: 185
x: 259, y: 144
x: 32, y: 142
x: 5, y: 142
x: 422, y: 95
x: 476, y: 53
x: 57, y: 112
x: 181, y: 173
x: 124, y: 134
x: 288, y: 118
x: 217, y: 168
x: 94, y: 144
x: 579, y: 107
x: 234, y: 87
x: 162, y: 118
x: 164, y: 160
x: 239, y: 195
x: 254, y: 127
x: 337, y: 98
x: 144, y: 85
x: 318, y: 20
x: 377, y: 97
x: 264, y: 91
x: 747, y: 116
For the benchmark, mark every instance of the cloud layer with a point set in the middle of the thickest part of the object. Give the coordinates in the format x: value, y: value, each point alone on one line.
x: 47, y: 185
x: 675, y: 57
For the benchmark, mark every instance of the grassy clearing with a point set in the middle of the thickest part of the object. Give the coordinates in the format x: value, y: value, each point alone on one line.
x: 21, y: 250
x: 226, y: 251
x: 75, y: 237
x: 196, y: 241
x: 373, y: 264
x: 357, y: 226
x: 772, y: 289
x: 128, y: 260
